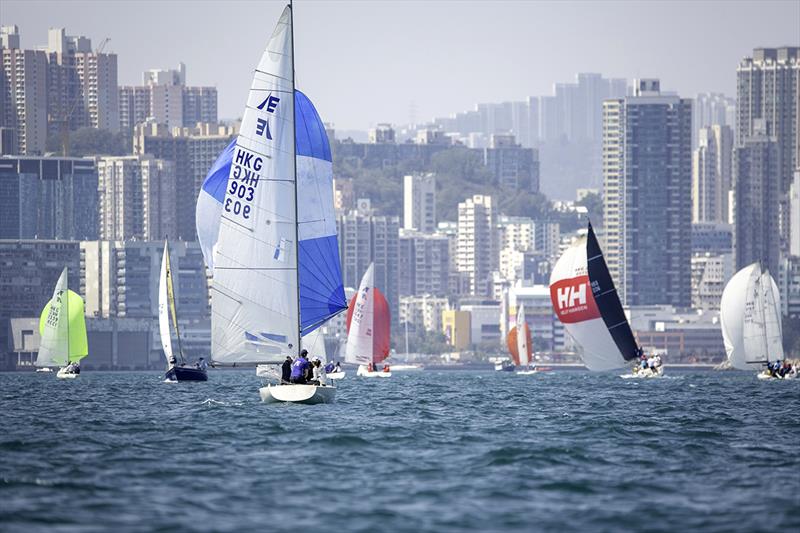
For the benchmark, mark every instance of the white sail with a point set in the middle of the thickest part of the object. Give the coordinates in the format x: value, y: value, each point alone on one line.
x: 522, y: 338
x: 163, y: 308
x: 772, y: 317
x: 754, y: 333
x: 255, y: 299
x: 732, y: 312
x: 574, y: 304
x: 54, y: 345
x: 359, y: 339
x: 314, y: 342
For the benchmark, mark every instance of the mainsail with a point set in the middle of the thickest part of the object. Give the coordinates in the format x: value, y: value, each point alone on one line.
x: 166, y: 308
x: 586, y: 301
x: 368, y: 323
x: 750, y: 319
x: 519, y: 340
x: 277, y: 191
x: 62, y: 327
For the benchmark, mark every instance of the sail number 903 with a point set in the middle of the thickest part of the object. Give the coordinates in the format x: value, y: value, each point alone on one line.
x: 243, y: 192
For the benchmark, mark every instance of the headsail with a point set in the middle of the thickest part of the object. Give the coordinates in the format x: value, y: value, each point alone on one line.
x: 519, y: 340
x: 368, y: 324
x: 166, y: 308
x: 750, y: 319
x: 586, y: 301
x: 62, y: 327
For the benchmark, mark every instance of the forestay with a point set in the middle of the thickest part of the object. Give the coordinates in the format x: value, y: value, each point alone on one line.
x: 259, y: 328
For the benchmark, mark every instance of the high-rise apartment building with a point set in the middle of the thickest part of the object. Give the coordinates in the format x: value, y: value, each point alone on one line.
x: 120, y: 278
x: 709, y: 109
x: 83, y: 90
x: 512, y: 166
x: 419, y: 202
x: 48, y: 198
x: 137, y: 198
x: 647, y: 195
x: 424, y: 263
x: 23, y: 93
x: 477, y: 248
x: 366, y: 238
x: 165, y: 99
x: 757, y: 170
x: 768, y: 102
x: 193, y: 151
x: 712, y: 180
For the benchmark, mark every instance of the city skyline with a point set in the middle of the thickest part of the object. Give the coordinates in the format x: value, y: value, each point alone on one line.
x: 365, y: 63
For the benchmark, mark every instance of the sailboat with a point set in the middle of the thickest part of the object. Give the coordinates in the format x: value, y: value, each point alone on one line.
x: 368, y: 328
x: 62, y: 327
x: 750, y: 319
x: 519, y: 344
x: 267, y: 228
x: 177, y: 368
x: 586, y: 302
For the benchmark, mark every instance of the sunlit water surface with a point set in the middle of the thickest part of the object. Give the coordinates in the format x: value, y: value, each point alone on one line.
x: 438, y: 451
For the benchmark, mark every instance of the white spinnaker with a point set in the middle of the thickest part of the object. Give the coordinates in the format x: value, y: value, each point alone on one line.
x: 54, y: 345
x: 772, y: 317
x: 522, y: 338
x: 360, y: 344
x: 255, y: 300
x: 738, y: 306
x: 599, y: 351
x: 163, y: 308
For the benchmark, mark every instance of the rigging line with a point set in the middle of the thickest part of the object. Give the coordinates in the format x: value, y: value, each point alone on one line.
x: 618, y: 325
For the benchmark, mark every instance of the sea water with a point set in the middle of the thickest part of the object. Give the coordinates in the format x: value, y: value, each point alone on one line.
x: 421, y: 451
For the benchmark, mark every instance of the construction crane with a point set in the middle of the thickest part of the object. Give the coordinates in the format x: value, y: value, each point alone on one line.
x: 76, y: 101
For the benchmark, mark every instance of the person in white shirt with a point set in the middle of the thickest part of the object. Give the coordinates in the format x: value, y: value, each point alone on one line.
x: 320, y: 376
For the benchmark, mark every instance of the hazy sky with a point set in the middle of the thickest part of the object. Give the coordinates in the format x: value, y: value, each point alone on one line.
x: 367, y: 62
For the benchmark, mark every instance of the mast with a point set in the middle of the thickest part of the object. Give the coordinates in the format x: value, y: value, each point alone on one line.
x: 65, y: 294
x: 296, y: 210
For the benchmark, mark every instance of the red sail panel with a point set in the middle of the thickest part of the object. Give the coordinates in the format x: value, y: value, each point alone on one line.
x: 381, y: 342
x: 573, y: 300
x: 382, y: 319
x: 512, y: 345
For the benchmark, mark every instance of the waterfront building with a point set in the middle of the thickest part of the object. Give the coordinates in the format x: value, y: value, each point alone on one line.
x: 424, y: 264
x: 48, y: 198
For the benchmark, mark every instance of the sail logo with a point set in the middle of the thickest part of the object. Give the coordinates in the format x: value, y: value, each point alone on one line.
x: 572, y: 300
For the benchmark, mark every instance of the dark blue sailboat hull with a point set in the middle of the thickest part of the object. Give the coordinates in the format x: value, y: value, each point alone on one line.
x: 186, y: 373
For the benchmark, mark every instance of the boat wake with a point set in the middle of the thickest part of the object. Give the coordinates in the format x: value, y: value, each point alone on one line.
x: 214, y: 403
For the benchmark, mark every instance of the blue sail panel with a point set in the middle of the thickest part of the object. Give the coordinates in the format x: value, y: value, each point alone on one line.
x: 319, y: 268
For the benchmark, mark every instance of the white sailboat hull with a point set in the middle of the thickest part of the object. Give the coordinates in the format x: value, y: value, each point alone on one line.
x: 306, y: 394
x: 63, y: 374
x: 45, y: 369
x: 645, y: 374
x: 407, y: 368
x: 364, y: 373
x: 336, y: 375
x: 527, y: 372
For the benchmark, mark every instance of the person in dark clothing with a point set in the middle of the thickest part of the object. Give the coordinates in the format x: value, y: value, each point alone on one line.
x: 286, y: 370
